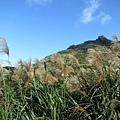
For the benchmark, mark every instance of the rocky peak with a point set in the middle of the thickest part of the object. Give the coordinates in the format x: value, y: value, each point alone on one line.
x: 101, y: 40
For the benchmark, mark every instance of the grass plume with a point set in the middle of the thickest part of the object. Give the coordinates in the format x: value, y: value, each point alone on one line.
x: 73, y: 60
x: 37, y: 90
x: 3, y: 46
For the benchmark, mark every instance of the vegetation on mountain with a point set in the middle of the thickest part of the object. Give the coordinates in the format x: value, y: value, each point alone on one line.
x: 80, y: 83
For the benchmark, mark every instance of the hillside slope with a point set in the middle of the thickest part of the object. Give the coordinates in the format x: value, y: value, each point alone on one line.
x: 74, y: 61
x: 81, y: 82
x: 77, y: 59
x: 80, y: 50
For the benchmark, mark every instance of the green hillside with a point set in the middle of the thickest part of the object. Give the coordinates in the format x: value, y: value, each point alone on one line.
x: 79, y: 83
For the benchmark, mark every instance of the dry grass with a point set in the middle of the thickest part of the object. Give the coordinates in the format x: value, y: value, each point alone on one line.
x: 3, y: 46
x: 23, y: 70
x: 116, y: 45
x: 66, y: 69
x: 83, y: 92
x: 102, y: 56
x: 73, y: 60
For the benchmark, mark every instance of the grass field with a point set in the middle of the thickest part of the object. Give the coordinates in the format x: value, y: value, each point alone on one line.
x: 66, y: 91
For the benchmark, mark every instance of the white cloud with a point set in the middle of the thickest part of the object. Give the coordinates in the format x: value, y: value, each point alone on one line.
x: 40, y: 2
x: 104, y: 17
x: 89, y: 13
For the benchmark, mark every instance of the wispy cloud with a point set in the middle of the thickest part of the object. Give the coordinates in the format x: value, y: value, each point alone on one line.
x: 104, y: 17
x: 39, y: 2
x: 89, y: 13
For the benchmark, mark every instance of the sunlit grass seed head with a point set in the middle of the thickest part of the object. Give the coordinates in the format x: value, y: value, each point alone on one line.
x: 73, y: 60
x: 66, y: 69
x: 55, y: 72
x: 94, y: 57
x: 3, y: 46
x: 116, y: 44
x: 23, y: 70
x: 36, y: 63
x: 47, y: 78
x: 57, y: 60
x: 115, y: 38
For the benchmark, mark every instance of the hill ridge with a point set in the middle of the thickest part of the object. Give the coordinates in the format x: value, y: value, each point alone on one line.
x: 101, y: 40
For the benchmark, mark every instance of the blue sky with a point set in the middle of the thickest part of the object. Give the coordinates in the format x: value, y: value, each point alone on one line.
x: 37, y: 28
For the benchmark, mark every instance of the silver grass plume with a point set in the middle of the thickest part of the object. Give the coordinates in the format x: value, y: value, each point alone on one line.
x: 116, y: 45
x: 115, y: 37
x: 73, y: 60
x: 3, y: 46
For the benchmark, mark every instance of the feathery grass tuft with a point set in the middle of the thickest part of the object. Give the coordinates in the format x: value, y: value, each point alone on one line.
x: 3, y: 46
x: 85, y: 91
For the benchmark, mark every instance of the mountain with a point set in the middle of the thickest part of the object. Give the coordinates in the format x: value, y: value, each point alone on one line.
x: 71, y: 60
x: 100, y: 41
x: 81, y: 82
x: 80, y: 50
x: 81, y: 54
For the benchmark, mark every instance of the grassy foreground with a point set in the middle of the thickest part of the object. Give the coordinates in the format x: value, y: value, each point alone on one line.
x: 37, y: 100
x: 64, y: 89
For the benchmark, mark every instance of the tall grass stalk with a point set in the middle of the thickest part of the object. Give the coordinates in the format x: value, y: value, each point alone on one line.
x: 25, y: 95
